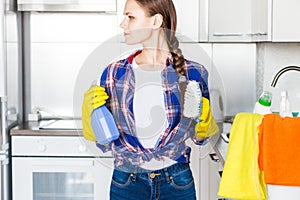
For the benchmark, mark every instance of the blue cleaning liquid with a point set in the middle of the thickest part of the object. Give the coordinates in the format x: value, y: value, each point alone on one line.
x: 104, y: 125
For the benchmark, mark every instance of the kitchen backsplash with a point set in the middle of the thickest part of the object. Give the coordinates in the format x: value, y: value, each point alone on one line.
x: 271, y: 58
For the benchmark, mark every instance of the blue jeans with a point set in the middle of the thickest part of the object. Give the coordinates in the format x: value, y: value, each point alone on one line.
x: 175, y: 183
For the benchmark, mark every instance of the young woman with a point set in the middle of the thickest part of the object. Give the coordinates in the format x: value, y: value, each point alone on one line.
x: 144, y: 94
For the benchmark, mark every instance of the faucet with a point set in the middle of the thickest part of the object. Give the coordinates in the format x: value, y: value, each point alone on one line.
x: 282, y: 71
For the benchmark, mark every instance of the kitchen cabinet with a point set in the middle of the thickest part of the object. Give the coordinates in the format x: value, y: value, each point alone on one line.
x: 210, y: 167
x: 205, y: 166
x: 187, y: 19
x: 64, y: 27
x: 285, y: 17
x: 236, y: 65
x: 238, y: 21
x: 215, y: 168
x: 195, y: 166
x: 59, y: 167
x: 203, y: 54
x: 67, y: 5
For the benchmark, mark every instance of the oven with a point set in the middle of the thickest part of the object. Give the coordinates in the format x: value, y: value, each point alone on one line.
x: 60, y: 168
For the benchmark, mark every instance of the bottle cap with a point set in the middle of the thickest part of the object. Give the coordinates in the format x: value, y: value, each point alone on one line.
x: 264, y: 102
x: 265, y: 98
x: 284, y: 93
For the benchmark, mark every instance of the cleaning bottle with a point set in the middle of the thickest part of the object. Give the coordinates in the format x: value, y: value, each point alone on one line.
x: 263, y: 105
x: 285, y: 105
x: 104, y: 125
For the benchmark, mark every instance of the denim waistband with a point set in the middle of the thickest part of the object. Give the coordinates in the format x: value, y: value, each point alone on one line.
x: 128, y: 167
x: 163, y: 173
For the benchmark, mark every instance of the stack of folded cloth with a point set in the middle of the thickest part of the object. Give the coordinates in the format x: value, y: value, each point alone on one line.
x: 279, y: 141
x: 262, y: 150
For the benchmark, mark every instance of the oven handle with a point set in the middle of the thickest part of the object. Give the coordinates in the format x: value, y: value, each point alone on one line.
x: 66, y: 163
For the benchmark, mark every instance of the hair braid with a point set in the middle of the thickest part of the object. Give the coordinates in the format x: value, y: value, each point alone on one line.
x: 178, y: 58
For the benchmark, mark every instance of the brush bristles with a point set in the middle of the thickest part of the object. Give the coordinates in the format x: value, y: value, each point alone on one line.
x: 192, y: 100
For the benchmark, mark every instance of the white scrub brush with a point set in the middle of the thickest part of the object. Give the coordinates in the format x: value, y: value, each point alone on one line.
x: 192, y: 100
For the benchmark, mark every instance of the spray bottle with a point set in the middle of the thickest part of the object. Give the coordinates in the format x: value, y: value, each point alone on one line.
x: 285, y: 105
x: 104, y: 125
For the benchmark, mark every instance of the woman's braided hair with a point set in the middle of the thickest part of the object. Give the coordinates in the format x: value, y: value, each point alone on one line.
x: 167, y: 9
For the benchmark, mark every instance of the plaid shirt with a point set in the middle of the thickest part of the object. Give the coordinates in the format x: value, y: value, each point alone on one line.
x: 118, y: 80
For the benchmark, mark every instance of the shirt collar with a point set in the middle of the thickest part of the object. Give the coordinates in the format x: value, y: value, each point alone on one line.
x: 131, y: 57
x: 169, y: 60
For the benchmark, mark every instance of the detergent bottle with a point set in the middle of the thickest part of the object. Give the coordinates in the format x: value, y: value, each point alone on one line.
x: 263, y: 105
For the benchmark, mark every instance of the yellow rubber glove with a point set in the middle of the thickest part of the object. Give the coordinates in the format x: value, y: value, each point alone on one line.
x: 207, y: 126
x: 93, y: 98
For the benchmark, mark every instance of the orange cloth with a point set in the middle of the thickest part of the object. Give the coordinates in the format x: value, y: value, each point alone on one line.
x: 279, y: 143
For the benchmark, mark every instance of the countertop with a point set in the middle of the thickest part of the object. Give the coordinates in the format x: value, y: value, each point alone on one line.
x: 42, y: 128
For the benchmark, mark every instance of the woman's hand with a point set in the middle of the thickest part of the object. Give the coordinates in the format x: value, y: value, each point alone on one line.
x: 93, y: 98
x: 207, y: 125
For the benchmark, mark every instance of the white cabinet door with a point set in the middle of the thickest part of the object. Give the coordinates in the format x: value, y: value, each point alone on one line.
x: 236, y: 65
x: 209, y: 172
x: 238, y: 21
x: 202, y: 53
x: 214, y: 175
x: 286, y: 16
x: 67, y: 5
x: 187, y: 19
x: 195, y: 167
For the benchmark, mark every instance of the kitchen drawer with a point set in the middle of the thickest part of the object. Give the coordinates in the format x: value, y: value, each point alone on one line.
x: 55, y: 146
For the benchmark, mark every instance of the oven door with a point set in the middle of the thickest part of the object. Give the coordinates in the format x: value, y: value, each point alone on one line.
x: 61, y: 178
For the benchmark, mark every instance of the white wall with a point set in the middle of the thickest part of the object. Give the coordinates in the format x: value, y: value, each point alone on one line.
x: 60, y: 45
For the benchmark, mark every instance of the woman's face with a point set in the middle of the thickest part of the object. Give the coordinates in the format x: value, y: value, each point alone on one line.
x: 137, y: 25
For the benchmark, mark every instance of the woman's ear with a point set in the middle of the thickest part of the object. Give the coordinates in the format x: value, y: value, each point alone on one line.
x: 157, y: 21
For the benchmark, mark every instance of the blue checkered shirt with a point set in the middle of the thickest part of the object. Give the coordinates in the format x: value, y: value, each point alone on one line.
x: 119, y: 83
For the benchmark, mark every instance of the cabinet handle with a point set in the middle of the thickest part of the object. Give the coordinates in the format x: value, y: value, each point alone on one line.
x: 227, y: 34
x: 257, y: 34
x: 214, y: 157
x: 64, y: 162
x: 238, y: 34
x: 220, y: 173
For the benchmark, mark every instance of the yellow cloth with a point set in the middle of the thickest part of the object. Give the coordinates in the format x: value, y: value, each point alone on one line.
x: 241, y: 178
